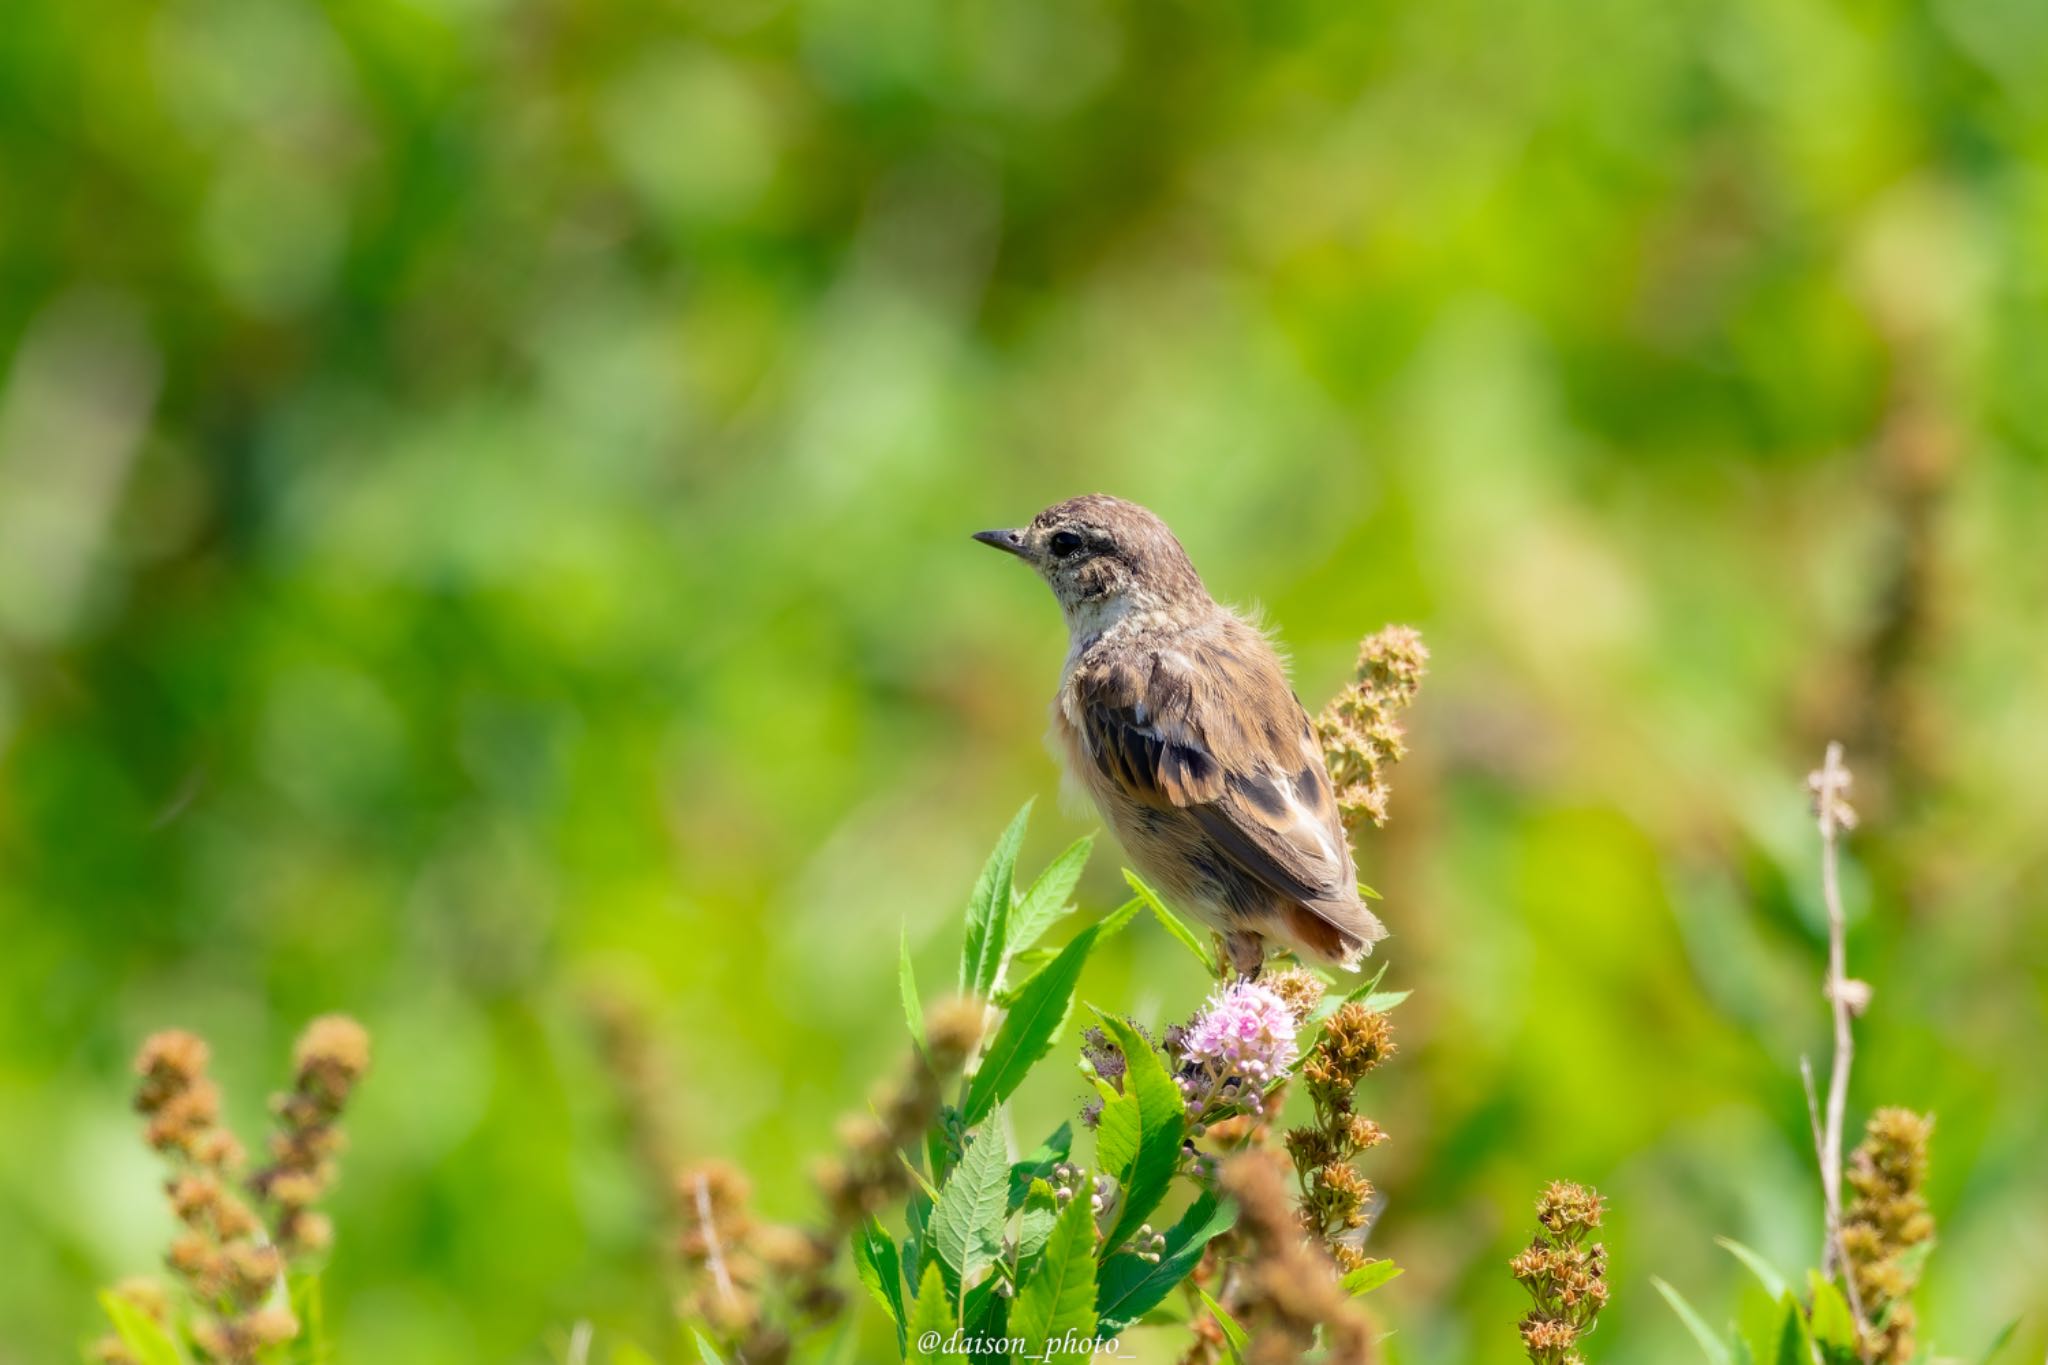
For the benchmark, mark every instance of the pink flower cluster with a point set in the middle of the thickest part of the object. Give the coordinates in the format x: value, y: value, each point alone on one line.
x: 1246, y: 1032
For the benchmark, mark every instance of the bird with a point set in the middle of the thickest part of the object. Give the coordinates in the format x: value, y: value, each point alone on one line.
x: 1175, y: 715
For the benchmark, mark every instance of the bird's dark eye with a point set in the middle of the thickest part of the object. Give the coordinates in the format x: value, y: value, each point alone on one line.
x: 1064, y: 543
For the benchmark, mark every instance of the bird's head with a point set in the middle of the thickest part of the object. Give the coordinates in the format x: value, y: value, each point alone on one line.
x: 1102, y: 557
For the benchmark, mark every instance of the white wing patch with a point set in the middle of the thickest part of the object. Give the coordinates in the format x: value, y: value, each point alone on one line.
x: 1305, y: 821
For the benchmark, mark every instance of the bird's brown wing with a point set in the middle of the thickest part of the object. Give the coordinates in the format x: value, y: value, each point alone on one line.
x: 1212, y: 728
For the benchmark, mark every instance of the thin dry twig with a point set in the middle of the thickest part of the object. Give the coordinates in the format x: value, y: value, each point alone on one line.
x: 714, y: 1257
x: 1847, y: 998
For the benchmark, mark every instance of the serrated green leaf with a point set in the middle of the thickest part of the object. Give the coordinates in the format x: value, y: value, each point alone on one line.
x: 1119, y: 919
x: 1833, y: 1326
x: 1060, y: 1297
x: 1154, y: 1103
x: 967, y: 1222
x: 932, y: 1319
x: 1117, y: 1128
x: 906, y: 986
x: 1130, y: 1287
x: 874, y: 1260
x: 1766, y: 1274
x: 1379, y: 1002
x: 1370, y: 1276
x: 988, y: 912
x: 1234, y: 1338
x: 1028, y: 1030
x: 917, y: 1249
x: 705, y: 1350
x: 1792, y: 1347
x: 986, y: 1312
x: 142, y: 1334
x: 1038, y: 1163
x: 1711, y: 1346
x: 1048, y: 900
x: 1173, y: 923
x: 1035, y: 1220
x: 1332, y: 1001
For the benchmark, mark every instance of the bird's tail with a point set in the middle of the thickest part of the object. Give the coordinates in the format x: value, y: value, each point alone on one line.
x: 1339, y: 932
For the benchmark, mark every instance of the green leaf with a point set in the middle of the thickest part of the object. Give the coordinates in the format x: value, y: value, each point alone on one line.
x: 627, y: 1353
x: 1999, y: 1342
x: 874, y: 1259
x: 1234, y: 1337
x: 985, y: 1312
x: 308, y: 1307
x: 967, y: 1222
x: 1381, y: 1001
x: 932, y: 1320
x: 1060, y: 1297
x: 1035, y: 1221
x: 1154, y: 1104
x: 1028, y: 1030
x: 1792, y: 1345
x: 1130, y: 1287
x: 1023, y: 966
x: 842, y: 1349
x: 906, y: 984
x: 1117, y: 920
x: 988, y: 912
x: 1711, y: 1346
x: 1834, y: 1327
x: 1117, y: 1128
x: 1766, y: 1274
x: 1038, y: 1163
x: 1172, y: 922
x: 142, y: 1334
x: 705, y: 1350
x: 1332, y: 1001
x: 917, y: 1242
x: 1047, y: 902
x: 1370, y: 1276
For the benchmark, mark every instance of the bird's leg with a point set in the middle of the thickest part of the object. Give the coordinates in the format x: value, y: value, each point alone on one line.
x: 1247, y: 953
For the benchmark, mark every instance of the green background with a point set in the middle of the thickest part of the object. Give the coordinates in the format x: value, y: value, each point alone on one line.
x: 484, y: 491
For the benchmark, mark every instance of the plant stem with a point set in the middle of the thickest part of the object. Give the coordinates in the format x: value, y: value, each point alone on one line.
x: 1830, y: 786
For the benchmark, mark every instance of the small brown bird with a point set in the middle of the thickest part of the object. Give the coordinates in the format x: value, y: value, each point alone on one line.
x: 1176, y: 715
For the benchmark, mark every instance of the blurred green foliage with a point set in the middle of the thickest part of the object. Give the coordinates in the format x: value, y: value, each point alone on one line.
x: 483, y: 496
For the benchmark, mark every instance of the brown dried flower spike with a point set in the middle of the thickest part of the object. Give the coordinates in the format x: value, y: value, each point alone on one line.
x: 1360, y: 730
x: 740, y: 1268
x: 1885, y: 1225
x: 331, y: 1057
x: 1333, y: 1194
x: 1565, y: 1274
x: 1289, y: 1294
x: 221, y: 1254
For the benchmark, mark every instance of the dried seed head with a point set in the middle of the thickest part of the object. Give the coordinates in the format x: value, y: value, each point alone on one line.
x: 952, y: 1028
x: 1565, y: 1274
x: 1886, y: 1222
x: 1565, y: 1207
x: 331, y: 1056
x: 169, y: 1063
x: 1829, y: 786
x: 269, y: 1326
x: 1360, y: 730
x: 1302, y: 990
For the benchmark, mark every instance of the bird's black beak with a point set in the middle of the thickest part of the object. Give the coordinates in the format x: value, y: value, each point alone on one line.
x: 1010, y: 541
